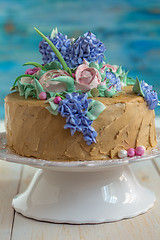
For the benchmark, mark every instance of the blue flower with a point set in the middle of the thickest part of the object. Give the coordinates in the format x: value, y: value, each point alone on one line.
x: 60, y: 41
x: 150, y: 96
x: 75, y: 108
x: 87, y: 47
x: 152, y: 99
x: 145, y: 87
x: 114, y: 81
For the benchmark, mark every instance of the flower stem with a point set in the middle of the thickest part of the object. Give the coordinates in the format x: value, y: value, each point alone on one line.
x: 35, y: 65
x: 57, y: 53
x: 60, y: 95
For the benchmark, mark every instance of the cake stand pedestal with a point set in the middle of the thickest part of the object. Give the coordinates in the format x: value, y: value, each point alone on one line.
x: 81, y: 192
x: 84, y: 197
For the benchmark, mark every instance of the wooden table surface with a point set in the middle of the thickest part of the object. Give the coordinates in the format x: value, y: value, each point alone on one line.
x: 14, y: 179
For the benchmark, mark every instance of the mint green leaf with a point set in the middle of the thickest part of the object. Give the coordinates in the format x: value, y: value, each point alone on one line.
x: 20, y: 88
x: 94, y: 65
x: 137, y: 88
x: 101, y: 89
x: 130, y: 81
x: 119, y: 70
x: 69, y: 82
x: 39, y: 74
x: 53, y: 105
x: 110, y: 93
x: 30, y: 92
x: 53, y: 65
x: 52, y: 110
x: 38, y: 87
x: 95, y: 108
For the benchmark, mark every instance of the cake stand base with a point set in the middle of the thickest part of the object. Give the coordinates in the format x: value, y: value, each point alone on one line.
x: 80, y: 197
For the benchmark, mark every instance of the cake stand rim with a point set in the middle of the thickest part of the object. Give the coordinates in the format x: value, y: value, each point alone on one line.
x: 8, y: 155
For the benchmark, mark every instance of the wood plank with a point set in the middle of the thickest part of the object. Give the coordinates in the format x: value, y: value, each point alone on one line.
x: 2, y: 128
x: 145, y: 226
x: 9, y: 183
x: 156, y: 162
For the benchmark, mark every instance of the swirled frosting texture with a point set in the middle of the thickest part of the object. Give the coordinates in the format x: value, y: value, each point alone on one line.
x: 33, y: 131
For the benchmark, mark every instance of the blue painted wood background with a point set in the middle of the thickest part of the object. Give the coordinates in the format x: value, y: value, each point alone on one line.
x: 130, y: 30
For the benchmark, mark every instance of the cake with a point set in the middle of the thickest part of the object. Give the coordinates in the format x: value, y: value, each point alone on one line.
x: 76, y: 107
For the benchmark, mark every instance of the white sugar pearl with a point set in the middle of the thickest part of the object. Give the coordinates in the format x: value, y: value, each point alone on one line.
x: 122, y: 85
x: 142, y: 147
x: 122, y: 154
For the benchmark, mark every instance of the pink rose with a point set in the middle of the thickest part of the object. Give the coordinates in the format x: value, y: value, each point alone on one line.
x: 53, y: 86
x: 86, y: 77
x: 31, y: 71
x: 28, y: 80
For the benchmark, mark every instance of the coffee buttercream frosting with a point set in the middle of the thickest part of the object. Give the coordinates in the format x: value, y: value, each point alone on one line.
x: 33, y: 131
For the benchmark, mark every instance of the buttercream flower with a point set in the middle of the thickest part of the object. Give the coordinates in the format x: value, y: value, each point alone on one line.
x: 112, y: 67
x: 86, y: 78
x: 85, y: 47
x: 152, y: 99
x: 150, y: 96
x: 113, y: 80
x: 26, y: 80
x: 49, y: 85
x: 31, y: 71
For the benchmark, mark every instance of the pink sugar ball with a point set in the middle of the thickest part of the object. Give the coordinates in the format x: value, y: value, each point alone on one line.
x: 131, y: 152
x: 42, y: 96
x: 57, y: 100
x: 73, y: 74
x: 140, y: 150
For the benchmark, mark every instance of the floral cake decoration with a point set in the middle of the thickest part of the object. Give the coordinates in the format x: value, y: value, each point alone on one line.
x: 73, y: 72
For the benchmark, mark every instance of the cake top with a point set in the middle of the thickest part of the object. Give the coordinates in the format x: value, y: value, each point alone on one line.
x: 73, y: 72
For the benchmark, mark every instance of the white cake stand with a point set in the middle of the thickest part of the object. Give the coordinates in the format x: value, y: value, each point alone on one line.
x: 82, y: 192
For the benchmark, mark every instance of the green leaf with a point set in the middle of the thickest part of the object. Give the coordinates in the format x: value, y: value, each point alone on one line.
x: 137, y: 88
x: 110, y: 93
x: 101, y: 65
x: 69, y: 82
x: 51, y: 110
x: 53, y: 105
x: 53, y: 65
x: 38, y: 87
x: 20, y: 88
x: 89, y: 93
x: 52, y: 94
x: 35, y: 65
x: 94, y: 65
x: 95, y: 108
x: 39, y: 73
x: 130, y: 81
x: 101, y: 89
x: 119, y: 70
x: 30, y: 92
x: 55, y: 50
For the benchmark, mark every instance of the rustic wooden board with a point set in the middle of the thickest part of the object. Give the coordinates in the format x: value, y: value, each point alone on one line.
x: 9, y: 187
x: 145, y: 226
x: 156, y: 162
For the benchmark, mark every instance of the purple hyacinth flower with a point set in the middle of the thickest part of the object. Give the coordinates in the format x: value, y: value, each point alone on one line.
x: 114, y: 81
x: 150, y: 96
x: 75, y: 108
